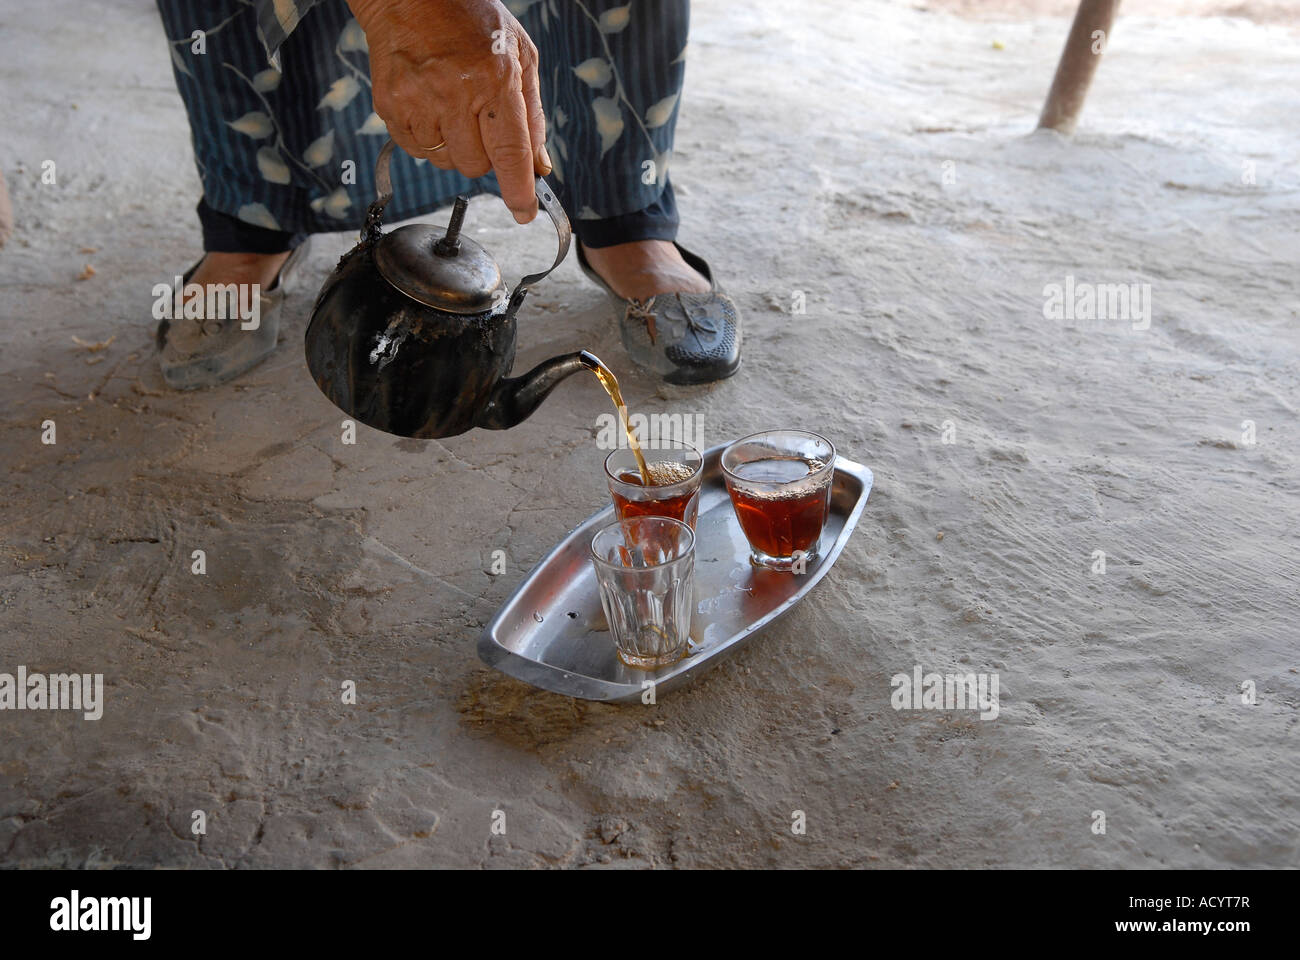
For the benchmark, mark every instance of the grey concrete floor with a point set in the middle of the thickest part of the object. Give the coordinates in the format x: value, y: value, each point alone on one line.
x: 884, y: 169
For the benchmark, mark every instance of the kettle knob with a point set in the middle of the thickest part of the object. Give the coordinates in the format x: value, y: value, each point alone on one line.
x: 461, y: 277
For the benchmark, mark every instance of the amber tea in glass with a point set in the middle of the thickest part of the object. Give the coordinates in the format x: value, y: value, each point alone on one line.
x: 780, y: 487
x: 675, y: 471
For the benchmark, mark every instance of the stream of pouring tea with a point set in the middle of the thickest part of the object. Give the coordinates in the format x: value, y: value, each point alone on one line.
x: 610, y: 383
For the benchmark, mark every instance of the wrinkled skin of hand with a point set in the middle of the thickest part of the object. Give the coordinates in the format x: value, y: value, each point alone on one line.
x: 463, y: 71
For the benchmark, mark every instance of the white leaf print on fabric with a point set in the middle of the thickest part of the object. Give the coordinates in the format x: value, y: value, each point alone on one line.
x: 559, y: 152
x: 616, y: 19
x: 681, y: 57
x: 519, y: 7
x: 258, y: 216
x: 661, y: 165
x: 374, y: 126
x: 272, y: 165
x: 595, y: 72
x: 353, y: 38
x: 336, y: 204
x: 266, y: 80
x: 256, y: 125
x: 320, y: 151
x: 586, y: 213
x: 341, y: 93
x: 609, y: 121
x: 286, y: 11
x: 661, y: 112
x: 561, y: 118
x: 180, y: 64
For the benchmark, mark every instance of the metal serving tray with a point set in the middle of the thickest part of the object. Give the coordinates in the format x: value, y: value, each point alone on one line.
x: 552, y: 631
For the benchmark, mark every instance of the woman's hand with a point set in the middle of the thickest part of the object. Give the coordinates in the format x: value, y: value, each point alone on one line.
x: 463, y: 71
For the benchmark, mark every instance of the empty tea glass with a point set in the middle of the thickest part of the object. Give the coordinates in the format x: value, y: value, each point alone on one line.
x: 679, y: 499
x: 780, y: 487
x: 645, y: 567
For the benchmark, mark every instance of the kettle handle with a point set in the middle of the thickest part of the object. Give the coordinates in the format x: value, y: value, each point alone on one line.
x: 546, y: 200
x: 383, y: 177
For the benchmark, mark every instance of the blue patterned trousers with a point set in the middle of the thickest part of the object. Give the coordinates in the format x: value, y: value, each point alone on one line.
x: 291, y: 151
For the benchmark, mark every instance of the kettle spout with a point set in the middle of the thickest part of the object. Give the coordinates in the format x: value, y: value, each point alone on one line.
x: 513, y: 400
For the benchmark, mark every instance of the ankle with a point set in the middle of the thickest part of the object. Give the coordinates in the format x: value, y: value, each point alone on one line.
x: 644, y: 268
x: 224, y: 267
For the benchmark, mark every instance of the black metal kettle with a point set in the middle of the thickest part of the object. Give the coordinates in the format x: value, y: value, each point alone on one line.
x: 414, y: 335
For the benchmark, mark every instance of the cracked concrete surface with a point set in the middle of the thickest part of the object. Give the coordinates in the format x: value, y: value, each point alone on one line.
x: 368, y: 563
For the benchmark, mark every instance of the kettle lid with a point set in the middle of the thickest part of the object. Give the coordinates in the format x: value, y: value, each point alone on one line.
x: 444, y: 271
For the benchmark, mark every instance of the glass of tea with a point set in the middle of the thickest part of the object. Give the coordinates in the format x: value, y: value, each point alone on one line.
x: 675, y: 470
x: 780, y: 487
x: 645, y: 567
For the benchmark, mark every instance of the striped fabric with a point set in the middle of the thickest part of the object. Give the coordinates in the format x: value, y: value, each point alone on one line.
x: 293, y: 147
x: 276, y: 19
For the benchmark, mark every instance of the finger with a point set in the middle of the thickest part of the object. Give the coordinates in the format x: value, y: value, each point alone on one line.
x: 465, y: 146
x: 503, y: 124
x: 412, y: 144
x: 440, y: 158
x: 536, y: 117
x: 428, y: 135
x: 397, y: 107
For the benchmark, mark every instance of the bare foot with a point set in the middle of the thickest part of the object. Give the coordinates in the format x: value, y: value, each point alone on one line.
x: 642, y: 269
x: 259, y: 268
x: 187, y: 337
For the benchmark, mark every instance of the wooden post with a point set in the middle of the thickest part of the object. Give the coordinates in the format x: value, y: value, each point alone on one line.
x: 1077, y: 65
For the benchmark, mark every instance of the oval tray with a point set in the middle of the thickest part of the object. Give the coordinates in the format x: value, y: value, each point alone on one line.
x: 552, y: 631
